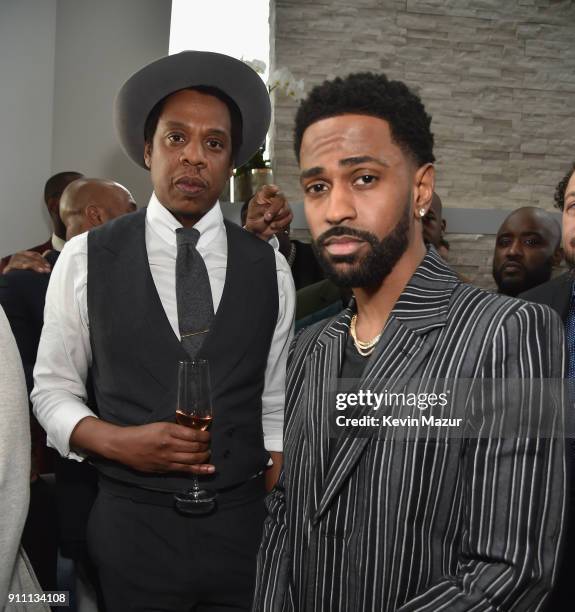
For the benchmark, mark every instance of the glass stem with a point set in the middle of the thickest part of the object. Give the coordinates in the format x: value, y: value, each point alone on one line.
x: 195, y: 485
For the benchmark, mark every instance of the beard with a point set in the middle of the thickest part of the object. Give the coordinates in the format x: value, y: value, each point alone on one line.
x: 365, y: 271
x: 514, y: 285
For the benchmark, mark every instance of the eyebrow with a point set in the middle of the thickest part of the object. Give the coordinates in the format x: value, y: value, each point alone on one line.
x: 345, y: 163
x: 183, y: 126
x: 539, y: 234
x: 311, y: 172
x: 568, y: 195
x: 362, y: 159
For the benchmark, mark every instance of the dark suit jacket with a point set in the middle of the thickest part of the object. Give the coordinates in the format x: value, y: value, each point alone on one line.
x: 556, y: 293
x: 305, y: 268
x: 367, y: 521
x: 316, y: 302
x: 22, y: 295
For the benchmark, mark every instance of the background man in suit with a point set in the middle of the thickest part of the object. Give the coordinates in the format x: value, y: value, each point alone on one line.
x: 558, y: 294
x: 84, y: 204
x: 53, y: 190
x: 527, y: 247
x: 407, y: 519
x: 170, y: 283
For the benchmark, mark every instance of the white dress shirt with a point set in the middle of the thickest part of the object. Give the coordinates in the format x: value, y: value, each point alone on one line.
x: 64, y: 353
x: 57, y: 242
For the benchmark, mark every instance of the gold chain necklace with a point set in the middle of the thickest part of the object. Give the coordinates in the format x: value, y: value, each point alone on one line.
x: 365, y: 349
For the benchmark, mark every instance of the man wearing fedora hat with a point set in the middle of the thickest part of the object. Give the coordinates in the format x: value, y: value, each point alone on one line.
x: 167, y: 284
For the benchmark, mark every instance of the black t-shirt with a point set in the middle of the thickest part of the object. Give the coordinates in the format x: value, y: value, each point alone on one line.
x: 352, y: 367
x: 353, y: 363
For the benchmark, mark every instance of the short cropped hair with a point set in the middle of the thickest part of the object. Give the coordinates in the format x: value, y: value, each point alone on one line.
x: 235, y: 116
x: 562, y: 188
x: 56, y: 184
x: 366, y: 93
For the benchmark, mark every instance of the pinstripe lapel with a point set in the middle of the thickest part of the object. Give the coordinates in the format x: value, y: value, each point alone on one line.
x: 408, y: 337
x: 321, y: 372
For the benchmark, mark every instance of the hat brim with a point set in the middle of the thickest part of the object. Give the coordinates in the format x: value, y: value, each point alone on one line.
x: 144, y: 89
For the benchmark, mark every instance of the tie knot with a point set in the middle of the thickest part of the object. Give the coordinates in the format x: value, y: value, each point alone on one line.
x: 187, y: 235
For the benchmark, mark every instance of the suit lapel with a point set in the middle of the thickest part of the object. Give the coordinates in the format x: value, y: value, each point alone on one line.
x: 321, y: 373
x: 407, y: 340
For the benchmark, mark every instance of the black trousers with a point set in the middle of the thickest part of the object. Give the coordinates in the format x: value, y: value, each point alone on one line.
x: 152, y: 558
x: 40, y: 536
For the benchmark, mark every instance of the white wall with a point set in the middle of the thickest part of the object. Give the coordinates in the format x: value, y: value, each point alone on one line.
x: 61, y: 63
x: 27, y: 47
x: 98, y: 46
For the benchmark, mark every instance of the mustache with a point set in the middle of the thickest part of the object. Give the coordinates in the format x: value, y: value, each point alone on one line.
x: 509, y: 262
x: 341, y: 230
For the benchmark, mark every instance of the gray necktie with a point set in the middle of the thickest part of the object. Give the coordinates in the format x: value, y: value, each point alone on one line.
x: 193, y: 293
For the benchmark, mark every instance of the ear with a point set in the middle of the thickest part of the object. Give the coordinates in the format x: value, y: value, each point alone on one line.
x: 423, y: 186
x: 93, y: 215
x: 557, y: 256
x: 148, y: 155
x: 443, y: 225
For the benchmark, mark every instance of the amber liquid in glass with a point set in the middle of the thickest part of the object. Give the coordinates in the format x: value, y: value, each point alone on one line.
x: 193, y: 421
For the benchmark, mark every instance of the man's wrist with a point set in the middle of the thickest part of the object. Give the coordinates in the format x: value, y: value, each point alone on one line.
x: 96, y: 437
x: 111, y: 442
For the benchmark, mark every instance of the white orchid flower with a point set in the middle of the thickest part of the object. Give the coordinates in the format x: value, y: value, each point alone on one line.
x: 284, y: 80
x: 255, y: 64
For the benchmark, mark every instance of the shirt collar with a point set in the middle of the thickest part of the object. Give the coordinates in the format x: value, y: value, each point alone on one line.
x: 57, y: 242
x: 164, y: 224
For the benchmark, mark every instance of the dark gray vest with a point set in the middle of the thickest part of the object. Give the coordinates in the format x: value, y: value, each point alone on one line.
x: 135, y: 351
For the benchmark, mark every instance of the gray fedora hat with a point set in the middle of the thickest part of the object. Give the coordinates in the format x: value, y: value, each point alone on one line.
x: 145, y: 88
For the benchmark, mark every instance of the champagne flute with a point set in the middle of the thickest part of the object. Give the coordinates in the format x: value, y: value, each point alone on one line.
x: 194, y: 409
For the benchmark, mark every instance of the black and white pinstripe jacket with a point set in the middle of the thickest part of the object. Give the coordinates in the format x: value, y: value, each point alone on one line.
x: 427, y: 524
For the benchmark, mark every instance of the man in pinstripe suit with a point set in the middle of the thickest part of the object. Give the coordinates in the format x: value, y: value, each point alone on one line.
x: 372, y: 521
